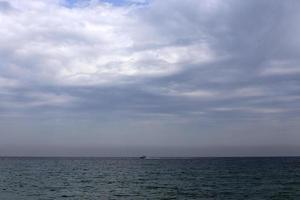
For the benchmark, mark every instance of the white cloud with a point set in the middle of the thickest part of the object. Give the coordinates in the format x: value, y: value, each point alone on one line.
x: 46, y: 43
x: 248, y: 92
x: 50, y: 99
x: 257, y: 110
x: 8, y: 83
x: 280, y: 67
x: 88, y: 45
x: 37, y: 99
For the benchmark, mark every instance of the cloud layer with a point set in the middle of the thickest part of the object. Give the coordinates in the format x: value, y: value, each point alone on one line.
x: 207, y: 68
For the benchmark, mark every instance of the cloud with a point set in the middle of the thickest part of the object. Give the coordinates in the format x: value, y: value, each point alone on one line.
x: 92, y: 45
x: 8, y: 83
x: 277, y: 68
x: 153, y: 62
x: 98, y: 44
x: 5, y: 7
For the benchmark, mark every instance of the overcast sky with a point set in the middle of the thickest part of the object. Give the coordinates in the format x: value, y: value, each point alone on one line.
x: 155, y: 77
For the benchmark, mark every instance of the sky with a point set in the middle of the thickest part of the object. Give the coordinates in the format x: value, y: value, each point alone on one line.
x: 153, y: 77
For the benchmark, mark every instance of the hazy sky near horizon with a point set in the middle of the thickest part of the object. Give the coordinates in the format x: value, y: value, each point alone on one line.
x: 161, y: 77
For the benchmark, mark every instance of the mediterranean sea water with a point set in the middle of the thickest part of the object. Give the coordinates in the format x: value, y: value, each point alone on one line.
x: 131, y: 178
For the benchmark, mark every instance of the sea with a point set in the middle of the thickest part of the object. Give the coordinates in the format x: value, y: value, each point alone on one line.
x: 274, y: 178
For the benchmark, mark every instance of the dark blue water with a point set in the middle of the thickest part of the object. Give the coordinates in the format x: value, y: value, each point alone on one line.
x: 103, y: 178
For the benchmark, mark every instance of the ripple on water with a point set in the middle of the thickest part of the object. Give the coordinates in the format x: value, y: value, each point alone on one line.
x: 206, y: 178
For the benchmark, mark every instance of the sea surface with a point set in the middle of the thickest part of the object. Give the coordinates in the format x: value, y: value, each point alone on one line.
x: 131, y: 178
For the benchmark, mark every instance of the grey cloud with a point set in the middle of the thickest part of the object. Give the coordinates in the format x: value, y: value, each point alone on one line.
x: 5, y: 6
x: 183, y: 72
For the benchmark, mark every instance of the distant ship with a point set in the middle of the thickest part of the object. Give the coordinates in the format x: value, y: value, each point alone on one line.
x: 143, y: 157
